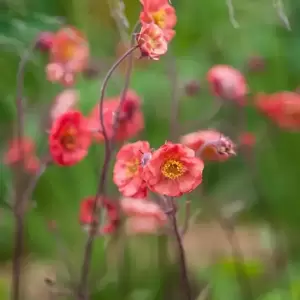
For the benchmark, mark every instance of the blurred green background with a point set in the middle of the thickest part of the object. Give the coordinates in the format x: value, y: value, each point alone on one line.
x: 137, y: 267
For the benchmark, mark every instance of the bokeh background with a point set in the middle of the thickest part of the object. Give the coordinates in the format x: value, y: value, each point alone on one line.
x: 266, y: 189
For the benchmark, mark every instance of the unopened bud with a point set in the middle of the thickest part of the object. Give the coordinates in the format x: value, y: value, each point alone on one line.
x: 45, y: 41
x: 192, y: 88
x: 256, y: 64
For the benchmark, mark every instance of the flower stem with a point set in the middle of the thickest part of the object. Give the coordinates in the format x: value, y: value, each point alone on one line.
x: 181, y: 255
x: 83, y: 285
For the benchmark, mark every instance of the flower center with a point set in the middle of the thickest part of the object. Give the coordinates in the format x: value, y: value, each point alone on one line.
x: 159, y: 18
x: 133, y: 167
x: 69, y: 139
x: 172, y: 169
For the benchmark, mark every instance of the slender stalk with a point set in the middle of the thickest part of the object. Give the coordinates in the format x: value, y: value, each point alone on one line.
x: 18, y: 211
x: 181, y: 255
x: 83, y: 285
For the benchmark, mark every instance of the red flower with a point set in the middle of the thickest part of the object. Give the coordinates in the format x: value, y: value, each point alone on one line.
x: 69, y: 138
x: 228, y: 83
x: 162, y: 14
x: 144, y: 216
x: 86, y: 215
x: 14, y: 154
x: 131, y: 120
x: 69, y: 55
x: 247, y: 139
x: 173, y: 170
x: 283, y: 108
x: 213, y: 145
x: 128, y: 170
x: 152, y: 42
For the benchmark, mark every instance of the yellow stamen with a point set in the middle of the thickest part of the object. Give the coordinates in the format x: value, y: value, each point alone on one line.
x: 173, y: 169
x: 68, y: 139
x: 133, y: 167
x: 159, y: 18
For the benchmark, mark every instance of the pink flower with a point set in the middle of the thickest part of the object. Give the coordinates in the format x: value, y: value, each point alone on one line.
x: 86, y: 215
x: 160, y: 13
x: 69, y: 54
x: 228, y: 83
x: 65, y: 101
x: 283, y: 108
x: 152, y: 42
x: 45, y: 41
x: 213, y: 145
x: 173, y: 170
x: 131, y: 119
x: 144, y: 216
x: 69, y: 139
x: 128, y: 170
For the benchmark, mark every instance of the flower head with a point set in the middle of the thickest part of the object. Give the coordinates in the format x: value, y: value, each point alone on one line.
x: 69, y: 138
x: 86, y: 215
x: 69, y: 55
x: 152, y: 42
x: 173, y: 170
x: 210, y: 145
x: 25, y: 152
x: 128, y: 170
x: 283, y: 108
x: 228, y: 83
x: 131, y: 120
x: 144, y: 216
x: 160, y: 13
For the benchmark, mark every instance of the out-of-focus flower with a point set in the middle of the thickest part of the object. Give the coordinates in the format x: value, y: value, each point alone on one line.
x: 25, y: 153
x: 69, y: 138
x: 283, y: 108
x: 86, y: 215
x: 160, y: 13
x: 45, y: 41
x: 173, y: 170
x: 192, y: 88
x: 64, y: 102
x: 213, y: 145
x: 128, y: 170
x: 152, y: 42
x: 256, y: 63
x: 247, y: 139
x: 228, y: 83
x: 69, y: 55
x: 144, y: 216
x: 130, y: 121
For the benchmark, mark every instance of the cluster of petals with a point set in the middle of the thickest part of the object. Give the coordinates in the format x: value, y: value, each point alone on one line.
x: 69, y: 138
x: 69, y: 54
x: 158, y: 18
x: 228, y: 83
x: 128, y: 170
x: 283, y: 108
x: 210, y: 145
x: 144, y: 216
x: 63, y: 103
x: 24, y: 152
x: 171, y: 170
x: 130, y: 120
x: 87, y: 211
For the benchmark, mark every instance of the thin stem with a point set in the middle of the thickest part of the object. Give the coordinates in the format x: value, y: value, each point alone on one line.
x: 82, y: 291
x: 181, y: 254
x: 187, y: 217
x: 19, y: 213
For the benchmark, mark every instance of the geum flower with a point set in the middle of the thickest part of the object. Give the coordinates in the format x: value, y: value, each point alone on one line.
x: 69, y: 139
x: 130, y: 121
x: 23, y: 152
x: 69, y: 54
x: 162, y: 14
x: 228, y: 83
x: 152, y: 42
x: 143, y: 215
x: 209, y: 145
x: 86, y: 215
x: 173, y: 170
x: 127, y: 173
x: 283, y: 108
